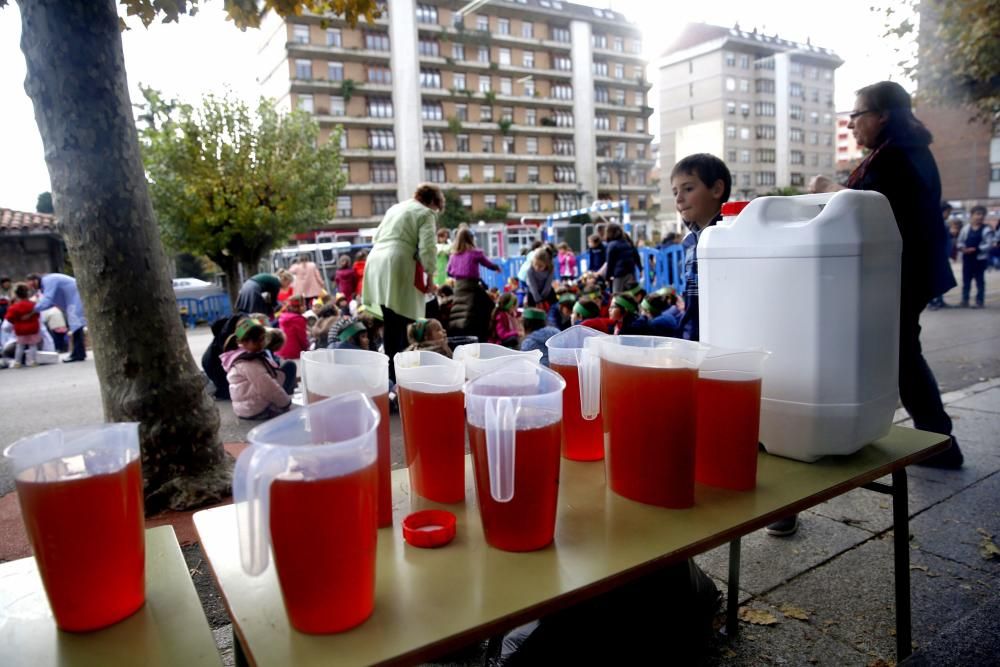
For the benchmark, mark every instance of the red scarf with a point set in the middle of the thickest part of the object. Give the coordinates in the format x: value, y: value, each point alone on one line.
x: 858, y: 175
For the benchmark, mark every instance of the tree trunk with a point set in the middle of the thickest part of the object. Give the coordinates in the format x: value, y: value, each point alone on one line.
x: 233, y: 283
x: 76, y: 81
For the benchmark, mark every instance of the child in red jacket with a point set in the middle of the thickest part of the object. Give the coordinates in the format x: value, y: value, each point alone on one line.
x: 293, y: 325
x: 22, y: 315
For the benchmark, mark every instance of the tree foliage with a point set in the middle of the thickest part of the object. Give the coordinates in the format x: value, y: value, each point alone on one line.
x: 44, y: 203
x: 453, y: 213
x: 957, y: 60
x: 249, y: 13
x: 232, y: 184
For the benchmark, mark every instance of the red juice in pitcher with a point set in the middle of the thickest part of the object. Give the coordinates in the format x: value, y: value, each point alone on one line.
x: 384, y: 456
x: 434, y: 438
x: 649, y: 421
x: 527, y: 522
x: 727, y: 445
x: 582, y: 440
x: 87, y: 537
x: 323, y: 534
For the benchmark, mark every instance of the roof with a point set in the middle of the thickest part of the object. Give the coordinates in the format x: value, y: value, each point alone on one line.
x: 695, y: 34
x: 23, y: 222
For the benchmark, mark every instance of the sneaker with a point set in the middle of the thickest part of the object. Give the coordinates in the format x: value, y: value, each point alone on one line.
x: 30, y: 364
x: 16, y: 364
x: 783, y: 527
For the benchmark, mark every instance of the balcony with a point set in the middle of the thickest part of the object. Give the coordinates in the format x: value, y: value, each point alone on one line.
x: 503, y: 188
x: 499, y: 157
x: 353, y: 54
x: 323, y: 85
x: 324, y: 118
x: 633, y: 136
x: 494, y: 68
x: 492, y: 127
x: 364, y: 188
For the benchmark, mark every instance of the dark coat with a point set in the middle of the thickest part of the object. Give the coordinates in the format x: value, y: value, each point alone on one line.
x: 623, y: 259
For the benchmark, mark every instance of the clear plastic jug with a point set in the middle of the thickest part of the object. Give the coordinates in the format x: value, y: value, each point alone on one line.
x: 80, y: 491
x: 647, y: 404
x: 307, y: 488
x: 515, y: 420
x: 583, y: 432
x: 432, y: 409
x: 328, y: 373
x: 726, y: 453
x: 481, y: 358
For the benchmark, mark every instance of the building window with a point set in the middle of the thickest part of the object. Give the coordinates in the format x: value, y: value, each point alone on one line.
x: 382, y: 203
x: 305, y: 103
x: 485, y: 113
x: 602, y: 121
x: 458, y: 51
x: 798, y: 179
x: 744, y: 85
x: 563, y: 118
x: 483, y: 23
x: 381, y: 139
x: 640, y: 98
x: 814, y: 138
x: 376, y: 41
x: 730, y: 84
x: 429, y: 47
x: 599, y: 41
x: 563, y: 146
x: 430, y: 78
x: 462, y: 112
x: 529, y: 88
x: 618, y: 45
x: 382, y: 171
x: 562, y: 63
x: 534, y: 204
x: 765, y: 155
x: 507, y: 113
x: 603, y: 176
x: 530, y: 117
x: 795, y: 135
x: 729, y: 58
x: 337, y: 106
x: 619, y: 71
x: 464, y: 173
x: 533, y: 174
x: 560, y: 34
x: 814, y: 117
x: 600, y: 94
x: 766, y: 178
x: 795, y: 90
x: 435, y: 173
x: 487, y: 141
x: 731, y: 108
x: 380, y: 107
x: 489, y: 201
x: 300, y: 34
x: 427, y: 14
x: 431, y: 111
x: 640, y: 152
x: 730, y: 131
x: 303, y: 69
x: 764, y: 85
x: 503, y: 26
x: 745, y: 179
x: 433, y: 141
x: 507, y: 145
x: 745, y: 155
x: 489, y: 173
x: 484, y: 84
x: 795, y: 68
x: 462, y: 143
x: 744, y: 132
x: 503, y: 56
x: 458, y: 81
x: 506, y: 86
x: 620, y: 123
x: 509, y: 174
x: 528, y: 59
x: 335, y: 71
x: 764, y: 108
x: 640, y: 124
x: 827, y: 139
x: 621, y: 151
x: 600, y: 68
x: 564, y: 174
x: 744, y: 61
x: 531, y: 145
x: 483, y: 54
x: 333, y: 37
x: 466, y: 201
x: 765, y: 132
x: 745, y: 109
x: 562, y: 92
x: 344, y: 206
x: 731, y: 158
x: 511, y: 202
x: 527, y: 29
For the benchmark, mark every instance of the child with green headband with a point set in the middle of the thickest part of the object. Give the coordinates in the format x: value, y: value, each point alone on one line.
x: 659, y: 315
x: 537, y: 330
x: 622, y: 312
x: 504, y: 327
x: 561, y: 313
x: 428, y: 334
x: 349, y: 334
x: 259, y: 389
x: 586, y: 308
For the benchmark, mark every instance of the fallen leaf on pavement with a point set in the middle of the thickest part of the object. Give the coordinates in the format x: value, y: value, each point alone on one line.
x: 757, y: 616
x: 793, y: 612
x: 988, y: 549
x: 728, y: 653
x: 919, y: 567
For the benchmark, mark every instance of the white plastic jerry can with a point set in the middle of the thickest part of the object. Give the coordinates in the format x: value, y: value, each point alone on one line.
x: 815, y: 280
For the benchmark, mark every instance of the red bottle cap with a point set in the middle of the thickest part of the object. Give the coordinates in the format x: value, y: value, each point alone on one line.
x: 733, y: 207
x: 429, y: 529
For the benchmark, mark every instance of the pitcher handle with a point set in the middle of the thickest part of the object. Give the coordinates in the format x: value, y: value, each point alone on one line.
x: 501, y: 436
x: 588, y: 365
x: 256, y: 468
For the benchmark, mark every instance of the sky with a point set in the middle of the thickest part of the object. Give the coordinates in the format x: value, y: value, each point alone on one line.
x: 207, y: 54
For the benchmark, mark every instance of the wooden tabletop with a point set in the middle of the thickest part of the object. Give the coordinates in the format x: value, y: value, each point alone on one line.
x: 170, y: 629
x: 429, y: 601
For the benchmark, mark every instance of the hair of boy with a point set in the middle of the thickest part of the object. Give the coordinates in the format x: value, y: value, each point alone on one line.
x: 708, y: 169
x: 274, y: 339
x: 655, y: 303
x: 587, y: 308
x: 945, y: 207
x: 533, y: 319
x: 22, y: 291
x: 594, y: 238
x: 977, y: 209
x: 626, y: 302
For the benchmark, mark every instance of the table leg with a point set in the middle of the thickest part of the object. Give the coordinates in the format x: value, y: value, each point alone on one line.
x: 733, y: 594
x: 901, y: 553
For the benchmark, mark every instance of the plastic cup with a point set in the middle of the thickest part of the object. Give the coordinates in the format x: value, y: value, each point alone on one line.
x: 515, y: 421
x: 432, y: 409
x: 306, y: 487
x: 728, y: 418
x: 80, y: 492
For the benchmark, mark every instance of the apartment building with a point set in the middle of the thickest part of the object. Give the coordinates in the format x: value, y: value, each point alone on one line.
x: 537, y: 105
x: 763, y: 104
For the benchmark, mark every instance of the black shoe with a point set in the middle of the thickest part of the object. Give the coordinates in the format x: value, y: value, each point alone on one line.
x: 949, y: 459
x: 69, y: 360
x: 784, y: 527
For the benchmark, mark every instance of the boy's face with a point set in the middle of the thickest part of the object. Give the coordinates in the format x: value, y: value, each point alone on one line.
x: 363, y: 340
x: 696, y: 202
x: 976, y: 218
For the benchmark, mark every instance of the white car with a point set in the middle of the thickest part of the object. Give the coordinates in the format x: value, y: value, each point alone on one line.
x: 194, y: 288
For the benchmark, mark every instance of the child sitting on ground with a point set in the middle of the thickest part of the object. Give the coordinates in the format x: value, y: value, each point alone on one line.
x: 27, y: 328
x: 428, y: 335
x: 536, y: 332
x: 504, y: 329
x: 622, y: 311
x: 585, y: 309
x: 257, y: 386
x: 349, y: 334
x: 659, y: 315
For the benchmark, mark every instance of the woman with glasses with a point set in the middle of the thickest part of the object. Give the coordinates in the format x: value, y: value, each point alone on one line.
x: 901, y: 167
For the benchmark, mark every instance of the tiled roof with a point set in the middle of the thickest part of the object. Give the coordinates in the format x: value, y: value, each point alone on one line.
x: 23, y: 222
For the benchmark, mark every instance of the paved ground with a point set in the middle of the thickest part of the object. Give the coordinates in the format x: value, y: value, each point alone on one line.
x: 836, y: 571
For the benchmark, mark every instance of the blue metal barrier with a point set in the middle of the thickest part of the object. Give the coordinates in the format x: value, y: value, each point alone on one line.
x: 508, y: 269
x: 662, y: 268
x: 205, y: 309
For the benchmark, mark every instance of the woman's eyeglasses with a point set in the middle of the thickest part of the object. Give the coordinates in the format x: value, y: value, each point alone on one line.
x: 854, y: 115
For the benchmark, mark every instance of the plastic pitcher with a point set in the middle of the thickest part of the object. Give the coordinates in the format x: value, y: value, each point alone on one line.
x: 515, y: 420
x: 647, y: 403
x: 328, y: 373
x: 583, y: 432
x: 80, y: 491
x: 432, y: 408
x: 728, y: 418
x: 482, y: 358
x: 306, y: 487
